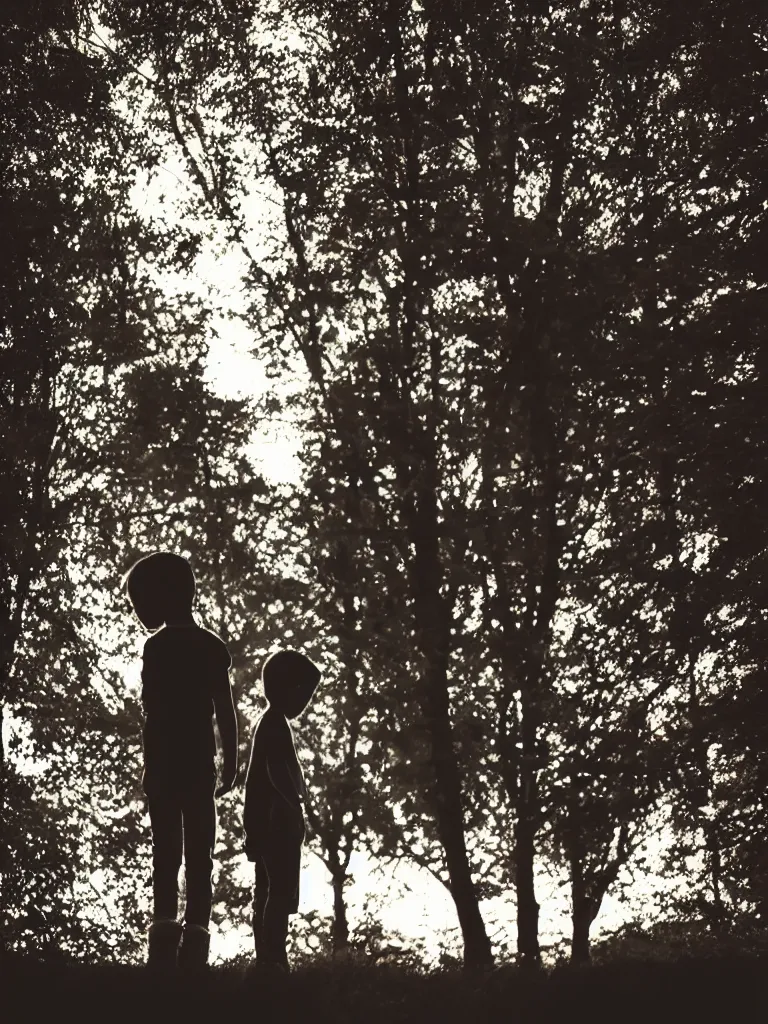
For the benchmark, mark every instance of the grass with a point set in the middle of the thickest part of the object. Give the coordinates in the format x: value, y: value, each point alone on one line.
x: 732, y: 990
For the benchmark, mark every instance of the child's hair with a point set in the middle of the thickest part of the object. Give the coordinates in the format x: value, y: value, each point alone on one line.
x: 286, y: 668
x: 160, y: 585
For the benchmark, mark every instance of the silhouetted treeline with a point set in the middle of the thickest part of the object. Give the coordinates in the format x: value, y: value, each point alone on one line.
x: 515, y: 253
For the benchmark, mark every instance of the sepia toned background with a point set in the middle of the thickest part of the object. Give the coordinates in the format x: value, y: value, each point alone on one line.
x: 432, y: 334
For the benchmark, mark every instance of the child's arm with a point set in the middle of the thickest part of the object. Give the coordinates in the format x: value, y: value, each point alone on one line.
x: 284, y: 770
x: 226, y: 719
x: 257, y: 805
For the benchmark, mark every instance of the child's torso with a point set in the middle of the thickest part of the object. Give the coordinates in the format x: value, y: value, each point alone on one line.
x: 180, y: 666
x: 272, y: 739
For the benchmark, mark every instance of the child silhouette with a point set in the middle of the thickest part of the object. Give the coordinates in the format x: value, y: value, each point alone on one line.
x: 185, y: 680
x: 273, y: 817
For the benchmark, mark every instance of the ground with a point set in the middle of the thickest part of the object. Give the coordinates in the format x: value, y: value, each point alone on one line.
x: 732, y: 990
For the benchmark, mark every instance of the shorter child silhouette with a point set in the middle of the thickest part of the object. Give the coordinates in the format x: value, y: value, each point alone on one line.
x: 274, y: 791
x: 185, y: 681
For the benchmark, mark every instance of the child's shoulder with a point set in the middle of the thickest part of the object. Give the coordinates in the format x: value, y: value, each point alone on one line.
x: 207, y: 636
x: 216, y: 649
x: 153, y: 641
x: 189, y: 638
x: 272, y: 723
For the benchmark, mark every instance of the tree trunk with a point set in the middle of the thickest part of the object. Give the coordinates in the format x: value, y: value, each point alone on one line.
x: 449, y: 814
x: 717, y: 912
x: 526, y: 827
x: 581, y: 921
x: 340, y: 926
x: 433, y: 628
x: 581, y: 917
x: 528, y: 947
x: 520, y: 776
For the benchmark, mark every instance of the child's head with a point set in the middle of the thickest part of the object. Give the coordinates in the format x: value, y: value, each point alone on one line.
x: 289, y: 680
x: 161, y: 588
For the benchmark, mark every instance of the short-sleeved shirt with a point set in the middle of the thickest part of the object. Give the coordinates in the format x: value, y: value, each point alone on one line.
x: 265, y: 807
x: 180, y: 670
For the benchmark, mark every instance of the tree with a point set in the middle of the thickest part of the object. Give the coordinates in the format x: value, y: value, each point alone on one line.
x: 593, y: 365
x: 59, y: 235
x: 113, y: 446
x: 492, y: 251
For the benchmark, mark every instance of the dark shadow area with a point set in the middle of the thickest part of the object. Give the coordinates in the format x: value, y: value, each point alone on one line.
x: 692, y: 990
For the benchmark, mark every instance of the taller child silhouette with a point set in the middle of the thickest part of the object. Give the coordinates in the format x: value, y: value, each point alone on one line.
x: 185, y: 680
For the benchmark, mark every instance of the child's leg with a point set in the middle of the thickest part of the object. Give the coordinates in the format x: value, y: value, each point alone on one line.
x: 275, y: 934
x: 199, y: 815
x: 283, y: 864
x: 260, y: 894
x: 165, y: 819
x: 163, y: 944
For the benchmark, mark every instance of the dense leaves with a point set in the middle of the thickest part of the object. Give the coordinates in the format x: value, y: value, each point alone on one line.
x: 501, y: 267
